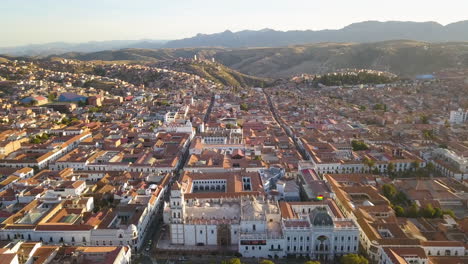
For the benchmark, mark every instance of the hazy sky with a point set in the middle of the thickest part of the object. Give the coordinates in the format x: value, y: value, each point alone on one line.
x: 40, y: 21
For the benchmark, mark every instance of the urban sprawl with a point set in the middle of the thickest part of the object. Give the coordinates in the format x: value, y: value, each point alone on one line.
x: 104, y: 163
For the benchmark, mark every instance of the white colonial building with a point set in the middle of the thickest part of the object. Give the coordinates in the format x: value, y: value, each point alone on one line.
x: 233, y: 212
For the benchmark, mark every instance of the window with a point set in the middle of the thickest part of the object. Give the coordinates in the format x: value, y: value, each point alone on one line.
x: 201, y: 231
x: 254, y: 227
x: 212, y: 231
x: 246, y: 248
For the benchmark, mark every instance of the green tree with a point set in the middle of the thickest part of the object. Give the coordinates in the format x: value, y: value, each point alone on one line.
x: 232, y: 261
x: 370, y: 163
x: 449, y: 212
x: 399, y: 211
x: 359, y: 145
x: 312, y: 262
x: 353, y: 259
x: 438, y: 212
x: 244, y: 107
x: 428, y: 211
x: 266, y: 261
x: 389, y: 191
x: 379, y: 107
x: 413, y: 211
x: 52, y: 97
x: 430, y: 167
x: 391, y: 167
x: 415, y: 165
x: 35, y: 140
x: 424, y: 119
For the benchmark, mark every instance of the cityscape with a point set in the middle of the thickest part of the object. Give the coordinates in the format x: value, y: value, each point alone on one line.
x: 195, y: 152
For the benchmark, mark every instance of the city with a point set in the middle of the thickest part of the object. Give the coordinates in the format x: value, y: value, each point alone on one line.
x: 215, y: 154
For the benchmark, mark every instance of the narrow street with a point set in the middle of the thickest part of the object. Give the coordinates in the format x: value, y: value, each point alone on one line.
x: 286, y: 128
x: 157, y: 226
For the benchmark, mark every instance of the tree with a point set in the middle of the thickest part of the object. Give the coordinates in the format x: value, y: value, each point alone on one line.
x: 415, y: 165
x: 312, y: 262
x: 413, y: 211
x: 389, y: 191
x: 399, y: 211
x: 52, y: 97
x: 369, y: 163
x: 232, y: 261
x: 428, y: 211
x: 424, y: 119
x: 359, y: 145
x: 449, y: 212
x: 430, y: 167
x: 391, y: 167
x: 438, y: 213
x: 353, y: 259
x: 428, y: 134
x: 244, y: 107
x: 266, y: 261
x: 379, y: 107
x: 35, y: 140
x: 81, y: 103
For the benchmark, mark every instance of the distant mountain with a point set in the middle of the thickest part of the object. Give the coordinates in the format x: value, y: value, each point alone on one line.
x: 405, y: 58
x: 363, y: 32
x: 369, y: 31
x: 63, y: 47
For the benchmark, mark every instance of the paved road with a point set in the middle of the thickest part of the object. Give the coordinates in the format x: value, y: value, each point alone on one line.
x: 155, y: 230
x: 286, y: 128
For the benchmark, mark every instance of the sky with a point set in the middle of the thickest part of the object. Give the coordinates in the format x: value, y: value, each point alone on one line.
x: 43, y: 21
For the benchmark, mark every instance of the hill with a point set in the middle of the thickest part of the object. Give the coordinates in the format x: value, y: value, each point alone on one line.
x: 403, y: 57
x: 215, y: 72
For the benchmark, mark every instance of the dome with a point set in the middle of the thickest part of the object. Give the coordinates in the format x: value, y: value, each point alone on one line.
x: 320, y: 217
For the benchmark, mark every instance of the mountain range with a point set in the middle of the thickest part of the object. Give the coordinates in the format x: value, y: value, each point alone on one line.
x: 92, y: 46
x: 370, y: 31
x: 363, y: 32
